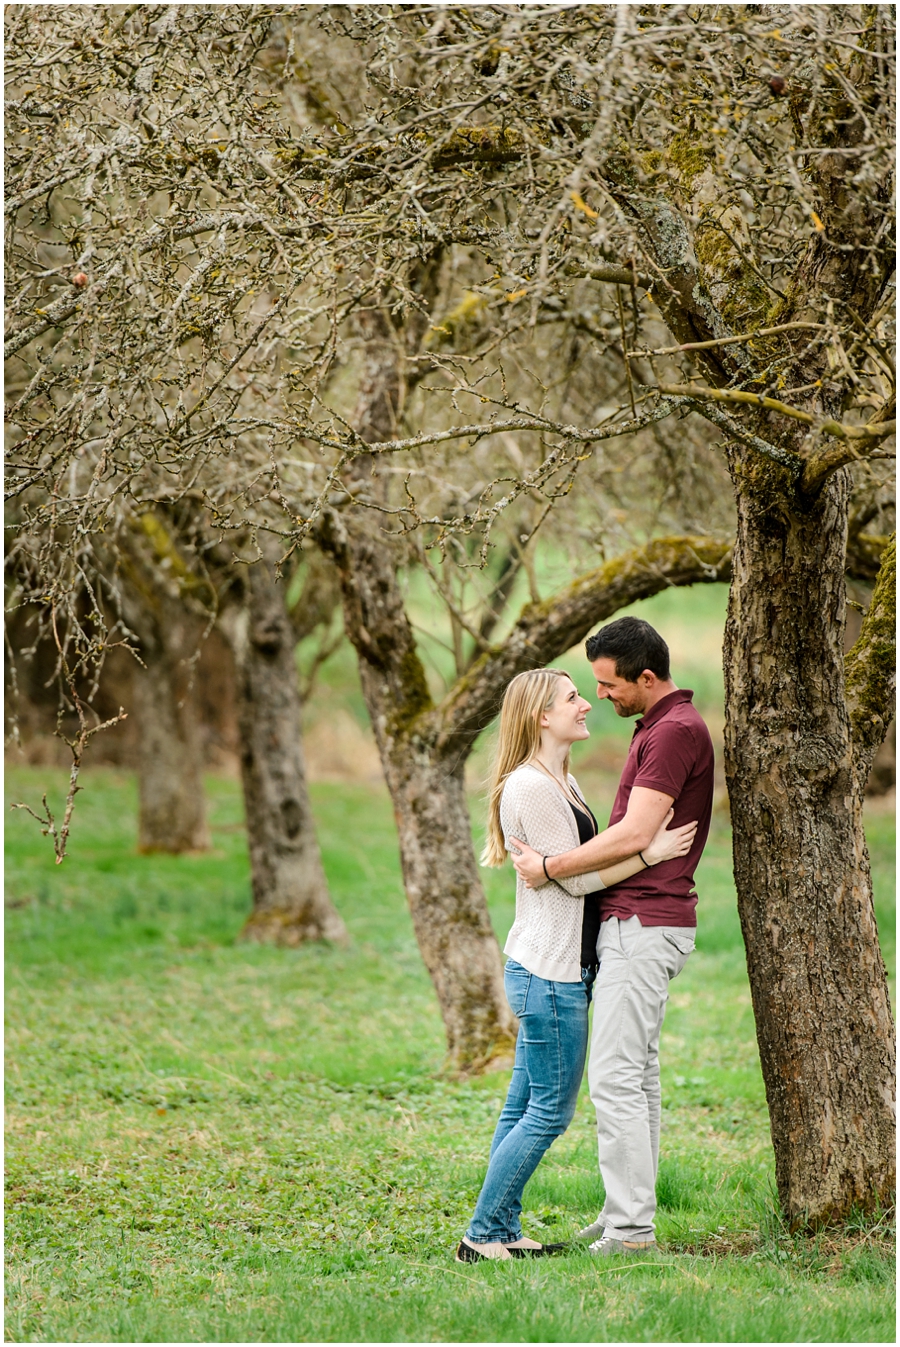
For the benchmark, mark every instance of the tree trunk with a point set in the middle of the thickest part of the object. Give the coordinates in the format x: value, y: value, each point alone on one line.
x: 446, y: 899
x: 445, y: 895
x: 447, y: 905
x: 801, y: 866
x: 291, y: 903
x: 793, y: 757
x: 172, y: 808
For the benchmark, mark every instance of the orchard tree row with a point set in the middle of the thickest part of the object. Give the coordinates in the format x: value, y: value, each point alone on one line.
x: 414, y: 289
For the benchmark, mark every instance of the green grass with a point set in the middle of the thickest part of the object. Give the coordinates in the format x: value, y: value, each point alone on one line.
x: 211, y: 1141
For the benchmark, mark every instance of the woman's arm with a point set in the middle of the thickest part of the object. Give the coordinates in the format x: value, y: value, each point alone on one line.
x: 666, y: 844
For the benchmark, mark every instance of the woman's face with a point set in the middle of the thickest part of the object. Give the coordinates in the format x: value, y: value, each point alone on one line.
x: 563, y: 722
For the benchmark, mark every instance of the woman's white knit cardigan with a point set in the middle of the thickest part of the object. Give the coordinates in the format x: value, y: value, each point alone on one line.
x: 546, y: 934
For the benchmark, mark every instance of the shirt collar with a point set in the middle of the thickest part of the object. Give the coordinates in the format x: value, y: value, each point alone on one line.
x: 665, y: 704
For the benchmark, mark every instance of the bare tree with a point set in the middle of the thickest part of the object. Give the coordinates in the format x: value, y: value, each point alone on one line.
x: 208, y: 582
x: 291, y: 902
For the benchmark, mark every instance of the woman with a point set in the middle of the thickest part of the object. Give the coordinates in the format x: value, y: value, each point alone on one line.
x: 552, y: 946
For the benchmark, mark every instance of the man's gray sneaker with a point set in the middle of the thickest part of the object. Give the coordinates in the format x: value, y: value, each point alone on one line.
x: 590, y: 1232
x: 607, y: 1247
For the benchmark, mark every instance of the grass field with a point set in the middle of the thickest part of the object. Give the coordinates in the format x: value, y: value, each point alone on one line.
x: 210, y: 1141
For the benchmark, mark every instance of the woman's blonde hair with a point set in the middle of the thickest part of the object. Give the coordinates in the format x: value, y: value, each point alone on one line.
x: 525, y: 700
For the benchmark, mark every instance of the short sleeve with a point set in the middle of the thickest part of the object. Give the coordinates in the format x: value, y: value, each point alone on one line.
x: 667, y: 759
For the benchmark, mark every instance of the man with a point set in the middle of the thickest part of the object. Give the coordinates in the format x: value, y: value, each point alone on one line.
x: 647, y: 922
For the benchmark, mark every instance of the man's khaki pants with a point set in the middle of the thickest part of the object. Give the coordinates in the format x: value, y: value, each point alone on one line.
x: 637, y: 963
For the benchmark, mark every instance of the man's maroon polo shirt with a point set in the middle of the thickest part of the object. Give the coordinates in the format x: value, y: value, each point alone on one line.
x: 671, y: 751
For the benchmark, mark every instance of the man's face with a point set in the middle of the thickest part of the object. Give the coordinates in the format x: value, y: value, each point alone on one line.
x: 629, y: 699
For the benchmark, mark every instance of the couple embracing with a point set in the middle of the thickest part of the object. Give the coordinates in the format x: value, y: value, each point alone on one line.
x: 608, y: 915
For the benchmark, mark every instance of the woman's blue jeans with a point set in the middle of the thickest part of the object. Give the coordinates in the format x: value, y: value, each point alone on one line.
x: 543, y: 1092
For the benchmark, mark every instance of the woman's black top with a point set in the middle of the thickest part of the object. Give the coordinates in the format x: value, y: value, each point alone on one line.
x: 590, y: 922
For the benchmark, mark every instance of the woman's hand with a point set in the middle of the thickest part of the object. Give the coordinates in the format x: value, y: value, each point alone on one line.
x: 667, y: 844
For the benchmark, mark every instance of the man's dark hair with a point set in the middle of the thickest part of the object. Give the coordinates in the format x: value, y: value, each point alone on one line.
x: 634, y: 645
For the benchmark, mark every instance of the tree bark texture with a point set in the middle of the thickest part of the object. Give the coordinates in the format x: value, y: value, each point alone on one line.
x: 172, y: 803
x: 871, y: 668
x: 801, y: 867
x: 443, y: 888
x: 291, y: 902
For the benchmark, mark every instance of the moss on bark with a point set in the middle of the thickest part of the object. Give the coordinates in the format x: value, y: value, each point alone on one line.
x: 871, y: 664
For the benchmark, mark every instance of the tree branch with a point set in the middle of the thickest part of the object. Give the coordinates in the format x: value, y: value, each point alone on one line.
x: 732, y: 341
x: 465, y: 145
x: 720, y: 418
x: 611, y: 274
x: 835, y: 428
x: 57, y: 313
x: 607, y: 430
x: 76, y: 746
x: 820, y: 467
x: 546, y: 630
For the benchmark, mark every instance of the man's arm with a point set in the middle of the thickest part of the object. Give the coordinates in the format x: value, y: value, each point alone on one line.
x: 646, y: 811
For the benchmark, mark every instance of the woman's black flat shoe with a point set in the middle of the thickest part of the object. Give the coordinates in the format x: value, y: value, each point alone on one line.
x: 541, y: 1252
x: 466, y: 1254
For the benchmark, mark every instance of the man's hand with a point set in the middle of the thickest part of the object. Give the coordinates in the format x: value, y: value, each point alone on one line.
x: 646, y: 813
x: 529, y: 863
